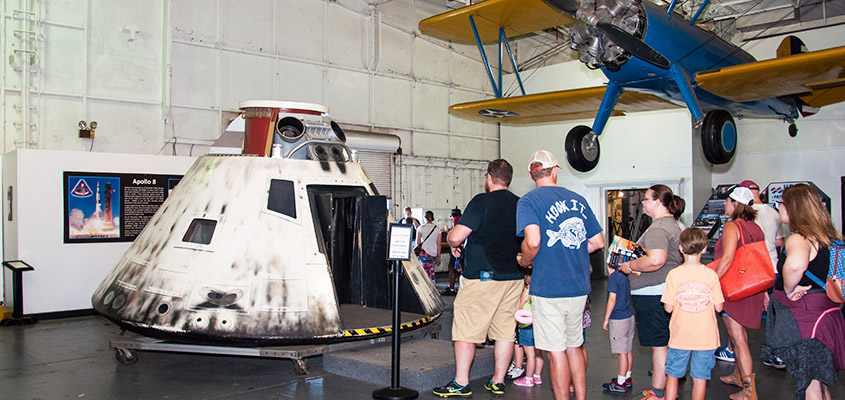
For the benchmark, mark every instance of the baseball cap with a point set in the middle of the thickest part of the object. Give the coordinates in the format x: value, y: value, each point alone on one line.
x: 546, y: 158
x: 749, y: 184
x: 742, y: 194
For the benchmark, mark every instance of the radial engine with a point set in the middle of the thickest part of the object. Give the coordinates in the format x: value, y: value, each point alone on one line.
x: 595, y: 48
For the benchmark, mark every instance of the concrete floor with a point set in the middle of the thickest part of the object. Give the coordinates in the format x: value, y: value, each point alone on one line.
x: 70, y: 358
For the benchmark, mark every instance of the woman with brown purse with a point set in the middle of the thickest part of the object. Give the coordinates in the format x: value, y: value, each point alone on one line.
x: 805, y: 328
x: 746, y: 313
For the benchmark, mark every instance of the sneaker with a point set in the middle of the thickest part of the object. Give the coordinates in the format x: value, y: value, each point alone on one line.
x: 774, y: 362
x: 649, y: 394
x: 524, y: 381
x: 538, y: 380
x: 628, y: 384
x: 452, y: 389
x: 495, y: 388
x: 515, y: 372
x: 614, y: 386
x: 722, y: 353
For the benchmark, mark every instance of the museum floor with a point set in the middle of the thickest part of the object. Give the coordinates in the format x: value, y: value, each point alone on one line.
x: 70, y: 358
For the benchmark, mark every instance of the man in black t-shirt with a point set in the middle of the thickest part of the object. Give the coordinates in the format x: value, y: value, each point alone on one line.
x: 491, y: 281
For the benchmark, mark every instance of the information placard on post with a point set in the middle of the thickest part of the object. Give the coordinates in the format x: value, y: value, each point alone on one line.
x: 398, y: 250
x: 399, y: 242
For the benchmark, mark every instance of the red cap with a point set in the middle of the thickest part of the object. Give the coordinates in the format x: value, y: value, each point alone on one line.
x: 749, y: 184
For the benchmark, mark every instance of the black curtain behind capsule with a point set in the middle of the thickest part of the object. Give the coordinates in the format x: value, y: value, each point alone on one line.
x: 358, y: 254
x: 341, y: 250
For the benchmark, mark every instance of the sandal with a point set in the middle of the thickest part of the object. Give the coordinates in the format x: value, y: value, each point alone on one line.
x: 732, y: 379
x: 749, y: 390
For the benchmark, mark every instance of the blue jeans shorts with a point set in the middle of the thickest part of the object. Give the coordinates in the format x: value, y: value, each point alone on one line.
x: 701, y: 363
x: 526, y: 336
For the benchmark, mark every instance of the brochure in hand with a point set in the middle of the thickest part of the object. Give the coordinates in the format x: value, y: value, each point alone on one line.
x: 622, y: 250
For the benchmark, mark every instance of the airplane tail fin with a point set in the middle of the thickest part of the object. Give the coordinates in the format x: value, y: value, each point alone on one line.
x: 789, y: 46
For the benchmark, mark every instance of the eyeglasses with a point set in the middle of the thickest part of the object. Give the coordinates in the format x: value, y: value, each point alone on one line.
x: 753, y: 188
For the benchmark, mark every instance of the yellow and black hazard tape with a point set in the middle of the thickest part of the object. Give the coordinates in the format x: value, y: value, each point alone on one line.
x: 384, y: 330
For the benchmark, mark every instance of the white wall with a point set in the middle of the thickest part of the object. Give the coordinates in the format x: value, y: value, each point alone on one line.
x: 661, y: 146
x: 163, y: 77
x: 65, y: 275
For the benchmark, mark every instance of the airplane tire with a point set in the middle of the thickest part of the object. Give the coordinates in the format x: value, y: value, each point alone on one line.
x: 582, y: 148
x: 718, y: 137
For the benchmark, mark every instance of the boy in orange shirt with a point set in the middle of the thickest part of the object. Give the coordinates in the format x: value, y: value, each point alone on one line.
x: 693, y: 295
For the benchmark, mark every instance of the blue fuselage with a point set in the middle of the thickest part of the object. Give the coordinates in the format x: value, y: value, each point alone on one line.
x: 695, y: 50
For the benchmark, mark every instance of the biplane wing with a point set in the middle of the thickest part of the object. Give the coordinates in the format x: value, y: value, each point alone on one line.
x: 818, y: 78
x: 515, y: 17
x: 563, y: 105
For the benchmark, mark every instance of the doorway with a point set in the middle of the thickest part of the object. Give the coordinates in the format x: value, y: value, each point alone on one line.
x: 625, y: 217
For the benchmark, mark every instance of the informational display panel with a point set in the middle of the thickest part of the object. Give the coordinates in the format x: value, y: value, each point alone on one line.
x: 109, y: 207
x: 399, y: 242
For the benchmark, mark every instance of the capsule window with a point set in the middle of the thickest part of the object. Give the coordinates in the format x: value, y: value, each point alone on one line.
x: 200, y: 231
x: 281, y: 198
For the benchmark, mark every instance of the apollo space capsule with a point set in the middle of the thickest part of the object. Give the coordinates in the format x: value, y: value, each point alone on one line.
x: 285, y: 243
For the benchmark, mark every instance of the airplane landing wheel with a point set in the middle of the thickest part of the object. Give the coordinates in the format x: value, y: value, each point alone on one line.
x: 793, y: 130
x: 718, y: 137
x: 582, y: 148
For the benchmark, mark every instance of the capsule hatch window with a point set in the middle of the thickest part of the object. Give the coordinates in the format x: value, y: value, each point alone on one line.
x: 281, y: 198
x: 201, y: 231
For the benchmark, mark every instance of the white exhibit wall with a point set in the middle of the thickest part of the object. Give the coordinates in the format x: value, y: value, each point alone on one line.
x: 65, y: 275
x: 766, y: 153
x: 165, y: 77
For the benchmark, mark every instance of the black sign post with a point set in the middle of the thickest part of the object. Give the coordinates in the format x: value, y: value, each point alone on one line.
x: 18, y: 267
x: 398, y: 250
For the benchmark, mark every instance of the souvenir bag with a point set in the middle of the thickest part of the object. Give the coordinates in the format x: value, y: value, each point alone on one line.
x: 835, y: 273
x: 750, y: 272
x: 418, y: 249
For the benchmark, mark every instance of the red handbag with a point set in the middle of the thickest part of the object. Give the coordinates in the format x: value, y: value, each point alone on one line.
x: 750, y: 271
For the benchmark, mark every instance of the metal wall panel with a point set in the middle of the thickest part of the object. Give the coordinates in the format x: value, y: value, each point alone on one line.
x: 436, y: 184
x: 300, y: 81
x: 391, y: 102
x: 195, y: 82
x: 245, y: 76
x: 248, y: 36
x: 305, y: 37
x: 346, y: 36
x: 379, y: 166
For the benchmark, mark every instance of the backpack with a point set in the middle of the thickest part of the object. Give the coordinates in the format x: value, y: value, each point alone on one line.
x: 835, y: 284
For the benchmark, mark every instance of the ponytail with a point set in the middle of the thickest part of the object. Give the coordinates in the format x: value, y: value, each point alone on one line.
x: 666, y: 197
x: 677, y: 207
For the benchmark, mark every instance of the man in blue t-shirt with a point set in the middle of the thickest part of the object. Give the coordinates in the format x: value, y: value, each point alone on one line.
x: 560, y: 231
x: 491, y: 281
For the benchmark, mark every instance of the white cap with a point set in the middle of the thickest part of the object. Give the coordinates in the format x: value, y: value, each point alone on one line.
x: 546, y: 158
x: 742, y: 195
